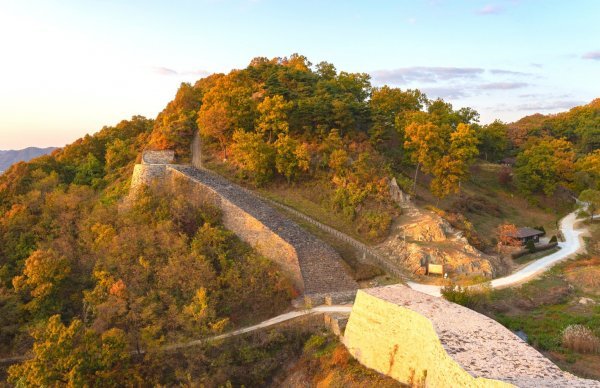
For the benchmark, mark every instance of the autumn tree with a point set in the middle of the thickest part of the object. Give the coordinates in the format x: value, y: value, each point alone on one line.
x: 386, y: 104
x: 254, y: 155
x: 587, y: 171
x: 75, y: 356
x: 175, y: 125
x: 544, y: 165
x: 292, y: 157
x: 425, y: 144
x: 44, y: 274
x: 462, y: 152
x: 507, y: 235
x: 214, y: 121
x: 273, y: 117
x: 592, y: 199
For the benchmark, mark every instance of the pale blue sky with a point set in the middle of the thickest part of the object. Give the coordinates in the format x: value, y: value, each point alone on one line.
x: 69, y: 67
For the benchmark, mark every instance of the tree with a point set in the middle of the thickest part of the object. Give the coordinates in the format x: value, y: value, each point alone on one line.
x: 90, y: 172
x: 175, y: 125
x: 592, y: 198
x: 75, y: 356
x: 291, y: 158
x: 425, y: 144
x: 463, y: 149
x: 386, y: 104
x: 544, y: 165
x: 493, y: 140
x: 507, y: 235
x: 45, y: 272
x: 273, y: 117
x: 587, y: 172
x: 254, y: 155
x: 214, y: 121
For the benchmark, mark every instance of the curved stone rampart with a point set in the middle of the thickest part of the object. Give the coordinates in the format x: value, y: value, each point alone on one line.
x: 419, y: 339
x: 315, y: 267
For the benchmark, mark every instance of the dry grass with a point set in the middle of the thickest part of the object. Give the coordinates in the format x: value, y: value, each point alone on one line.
x: 497, y: 203
x: 586, y: 278
x: 580, y: 339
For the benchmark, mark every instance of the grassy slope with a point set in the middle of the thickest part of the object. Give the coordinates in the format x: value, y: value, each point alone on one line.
x: 505, y: 203
x: 312, y: 197
x: 544, y: 307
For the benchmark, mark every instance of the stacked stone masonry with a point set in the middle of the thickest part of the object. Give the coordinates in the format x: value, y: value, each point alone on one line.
x: 315, y: 267
x: 419, y: 339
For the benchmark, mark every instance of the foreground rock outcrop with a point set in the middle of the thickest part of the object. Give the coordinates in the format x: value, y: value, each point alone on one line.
x: 422, y: 340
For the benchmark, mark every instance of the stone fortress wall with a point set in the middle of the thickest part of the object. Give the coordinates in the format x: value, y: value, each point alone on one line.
x: 412, y: 337
x: 315, y: 268
x: 153, y: 168
x: 419, y: 339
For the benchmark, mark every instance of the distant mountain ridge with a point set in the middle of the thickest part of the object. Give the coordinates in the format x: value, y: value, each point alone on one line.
x: 10, y: 157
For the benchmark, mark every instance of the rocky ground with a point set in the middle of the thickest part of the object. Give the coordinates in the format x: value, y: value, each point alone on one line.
x: 420, y: 237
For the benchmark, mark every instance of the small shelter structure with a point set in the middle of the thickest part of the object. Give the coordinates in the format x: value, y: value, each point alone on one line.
x: 527, y: 234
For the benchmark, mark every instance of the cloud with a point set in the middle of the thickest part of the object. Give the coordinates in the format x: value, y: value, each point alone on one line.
x: 503, y: 85
x: 164, y: 71
x: 425, y: 74
x: 507, y: 72
x: 160, y: 70
x: 490, y: 9
x: 550, y: 105
x: 446, y: 92
x: 594, y: 55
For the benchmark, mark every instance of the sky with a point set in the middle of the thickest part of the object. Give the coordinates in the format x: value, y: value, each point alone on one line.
x: 68, y: 68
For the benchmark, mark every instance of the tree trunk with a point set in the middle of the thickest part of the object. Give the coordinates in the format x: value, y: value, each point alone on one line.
x: 415, y: 182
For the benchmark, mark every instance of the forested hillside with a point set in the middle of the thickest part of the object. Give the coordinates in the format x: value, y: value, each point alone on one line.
x: 86, y: 279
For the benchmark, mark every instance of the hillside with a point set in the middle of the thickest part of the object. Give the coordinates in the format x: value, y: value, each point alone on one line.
x: 114, y: 275
x: 10, y: 157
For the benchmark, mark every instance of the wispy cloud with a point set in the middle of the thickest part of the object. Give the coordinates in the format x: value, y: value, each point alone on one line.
x: 507, y: 72
x: 161, y: 70
x: 490, y: 9
x: 503, y: 85
x: 550, y: 105
x: 425, y: 74
x: 594, y: 55
x: 446, y: 92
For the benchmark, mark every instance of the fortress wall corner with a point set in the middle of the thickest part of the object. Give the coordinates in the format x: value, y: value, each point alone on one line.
x: 144, y: 175
x: 404, y: 345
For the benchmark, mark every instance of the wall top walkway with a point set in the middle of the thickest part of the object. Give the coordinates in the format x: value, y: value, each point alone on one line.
x: 320, y: 264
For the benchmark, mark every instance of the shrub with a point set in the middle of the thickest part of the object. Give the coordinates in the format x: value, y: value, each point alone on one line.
x: 530, y: 246
x: 580, y: 339
x: 467, y: 296
x: 505, y: 176
x: 553, y: 240
x: 366, y: 272
x: 374, y: 225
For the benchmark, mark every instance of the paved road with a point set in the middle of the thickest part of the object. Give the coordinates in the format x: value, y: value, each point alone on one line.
x: 264, y: 324
x: 572, y: 244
